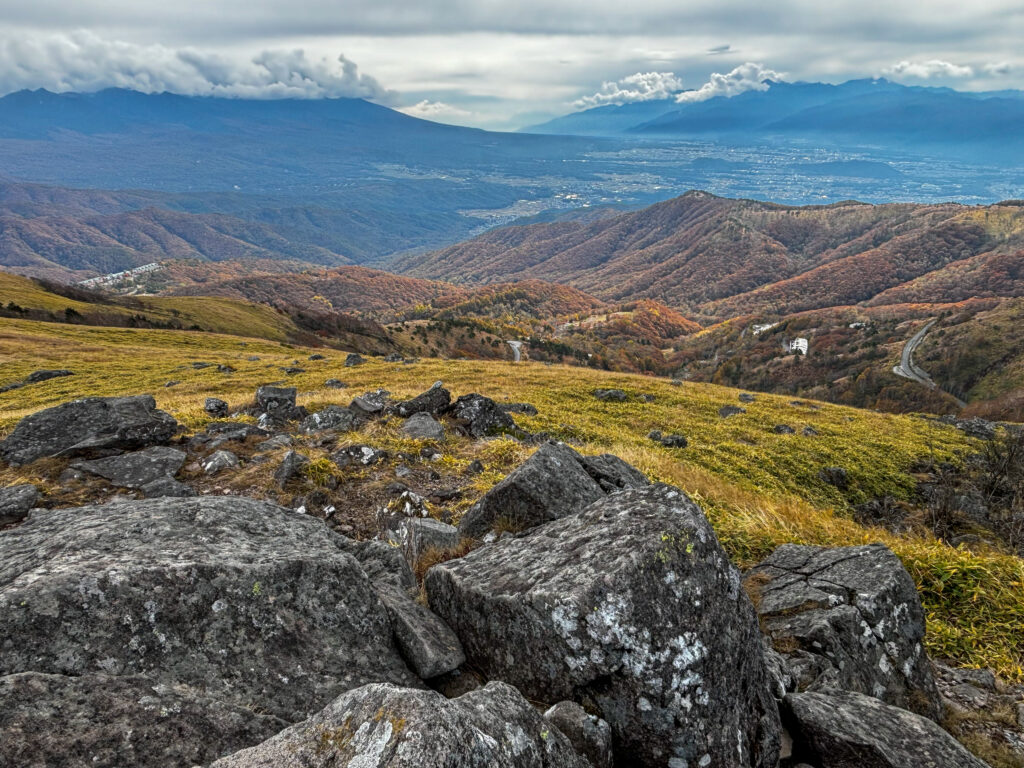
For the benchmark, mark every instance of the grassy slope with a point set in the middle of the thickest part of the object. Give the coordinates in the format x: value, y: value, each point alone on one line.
x: 760, y: 489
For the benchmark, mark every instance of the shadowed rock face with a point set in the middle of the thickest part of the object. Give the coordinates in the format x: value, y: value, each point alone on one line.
x: 389, y: 727
x: 255, y: 605
x: 138, y: 469
x: 847, y: 618
x: 90, y: 424
x: 630, y: 604
x: 97, y: 719
x: 840, y: 729
x: 479, y: 416
x: 16, y: 501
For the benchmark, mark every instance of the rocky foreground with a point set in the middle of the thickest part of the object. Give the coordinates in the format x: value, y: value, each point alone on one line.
x: 578, y: 616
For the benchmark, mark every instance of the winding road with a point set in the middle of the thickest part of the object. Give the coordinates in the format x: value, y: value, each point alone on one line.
x: 908, y: 369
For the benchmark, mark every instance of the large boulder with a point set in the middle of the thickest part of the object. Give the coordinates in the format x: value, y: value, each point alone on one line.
x: 333, y: 417
x: 90, y: 424
x: 137, y: 469
x: 432, y: 401
x: 107, y: 721
x: 479, y: 416
x: 384, y: 726
x: 16, y: 501
x: 841, y: 729
x: 632, y: 606
x: 275, y: 406
x: 847, y: 618
x: 423, y: 426
x: 254, y: 604
x: 555, y: 481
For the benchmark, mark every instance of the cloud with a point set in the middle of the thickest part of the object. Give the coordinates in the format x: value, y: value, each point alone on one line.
x: 434, y: 110
x: 925, y: 70
x: 83, y: 61
x: 643, y: 86
x: 998, y: 69
x: 745, y: 77
x: 718, y: 50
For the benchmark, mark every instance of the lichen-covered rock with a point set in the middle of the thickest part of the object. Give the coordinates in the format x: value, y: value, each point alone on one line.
x: 371, y: 403
x: 632, y: 605
x: 333, y: 417
x: 255, y: 605
x: 841, y: 729
x: 292, y: 465
x: 46, y: 374
x: 479, y: 416
x: 433, y: 401
x: 89, y: 424
x: 590, y: 736
x: 418, y: 535
x: 16, y: 501
x: 215, y: 407
x: 550, y: 484
x: 219, y: 460
x: 612, y: 473
x: 423, y: 426
x: 353, y: 359
x: 276, y: 406
x: 847, y: 618
x: 358, y: 455
x: 835, y: 476
x: 48, y: 721
x: 385, y: 726
x: 730, y: 410
x: 136, y: 469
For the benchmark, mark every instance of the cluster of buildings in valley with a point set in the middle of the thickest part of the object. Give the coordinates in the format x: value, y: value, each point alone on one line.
x: 116, y: 277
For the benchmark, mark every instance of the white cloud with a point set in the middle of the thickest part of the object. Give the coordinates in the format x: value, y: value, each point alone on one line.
x: 998, y: 69
x: 434, y: 110
x: 925, y: 70
x: 745, y: 77
x: 643, y: 86
x: 83, y: 61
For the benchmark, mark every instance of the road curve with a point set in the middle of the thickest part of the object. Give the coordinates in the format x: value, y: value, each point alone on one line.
x: 908, y: 369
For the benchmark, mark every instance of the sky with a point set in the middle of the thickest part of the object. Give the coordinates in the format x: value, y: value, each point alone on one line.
x: 503, y: 64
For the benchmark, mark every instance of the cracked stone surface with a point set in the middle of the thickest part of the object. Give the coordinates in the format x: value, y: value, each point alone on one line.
x: 654, y: 631
x: 847, y: 618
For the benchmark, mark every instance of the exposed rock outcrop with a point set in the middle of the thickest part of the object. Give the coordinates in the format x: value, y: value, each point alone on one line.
x: 479, y: 416
x: 433, y: 401
x: 590, y: 736
x: 632, y: 605
x: 136, y: 469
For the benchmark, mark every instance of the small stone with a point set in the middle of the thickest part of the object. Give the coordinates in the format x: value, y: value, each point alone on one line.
x: 746, y: 397
x: 784, y: 429
x: 423, y: 426
x: 730, y: 410
x: 292, y: 465
x: 616, y: 395
x: 335, y: 384
x: 225, y: 369
x: 219, y: 460
x: 291, y: 370
x: 317, y: 356
x: 45, y: 375
x: 475, y: 467
x: 216, y: 407
x: 810, y: 432
x: 354, y: 359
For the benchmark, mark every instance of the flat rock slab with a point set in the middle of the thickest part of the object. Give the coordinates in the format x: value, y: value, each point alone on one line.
x: 423, y: 426
x: 90, y: 424
x: 847, y: 618
x: 632, y: 605
x: 256, y: 605
x: 112, y: 722
x: 841, y: 729
x: 383, y: 726
x: 137, y: 469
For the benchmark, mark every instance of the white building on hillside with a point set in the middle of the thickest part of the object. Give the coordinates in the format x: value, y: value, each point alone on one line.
x: 798, y: 345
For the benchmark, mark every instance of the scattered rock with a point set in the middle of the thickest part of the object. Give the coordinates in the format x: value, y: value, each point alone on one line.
x: 433, y: 401
x: 292, y: 465
x: 199, y: 365
x: 235, y: 430
x: 45, y: 375
x: 275, y: 406
x: 219, y: 460
x: 13, y: 385
x: 835, y: 476
x: 225, y: 369
x: 216, y: 407
x: 333, y: 417
x: 364, y: 455
x: 427, y: 644
x: 335, y: 384
x: 317, y: 356
x: 847, y: 618
x: 809, y: 432
x: 166, y: 487
x: 493, y: 727
x: 654, y: 631
x: 104, y: 720
x: 371, y: 403
x: 256, y: 606
x: 292, y: 370
x: 784, y: 429
x: 16, y: 501
x: 479, y: 416
x: 253, y: 358
x: 172, y: 384
x: 730, y: 410
x: 354, y: 359
x: 394, y: 357
x: 275, y: 443
x: 746, y: 397
x: 524, y: 408
x: 977, y: 427
x: 87, y: 425
x: 138, y: 469
x: 616, y: 395
x: 669, y: 441
x: 417, y: 535
x: 475, y: 467
x: 590, y: 736
x: 404, y: 506
x: 423, y: 426
x: 841, y: 729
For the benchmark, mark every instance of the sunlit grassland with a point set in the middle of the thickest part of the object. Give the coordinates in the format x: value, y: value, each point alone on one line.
x: 759, y: 488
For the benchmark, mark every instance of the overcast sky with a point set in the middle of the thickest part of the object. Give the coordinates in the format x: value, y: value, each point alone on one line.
x: 502, y: 63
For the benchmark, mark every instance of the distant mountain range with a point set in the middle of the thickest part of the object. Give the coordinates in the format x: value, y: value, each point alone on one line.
x: 858, y: 111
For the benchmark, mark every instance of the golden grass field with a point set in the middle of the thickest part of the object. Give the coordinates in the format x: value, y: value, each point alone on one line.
x: 760, y: 489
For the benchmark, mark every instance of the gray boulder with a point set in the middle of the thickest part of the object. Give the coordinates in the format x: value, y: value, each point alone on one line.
x: 166, y: 487
x: 427, y: 644
x: 292, y: 465
x: 276, y: 406
x: 614, y: 395
x: 550, y: 484
x: 215, y: 407
x: 423, y: 426
x: 90, y: 424
x: 730, y: 410
x: 335, y: 384
x: 253, y: 604
x: 137, y: 469
x: 432, y: 401
x: 418, y: 535
x: 334, y: 417
x: 847, y: 618
x: 746, y: 397
x: 841, y: 729
x: 631, y: 605
x: 45, y: 375
x: 385, y: 726
x: 16, y: 501
x: 835, y: 476
x: 590, y: 736
x: 219, y: 460
x: 358, y: 455
x: 612, y: 473
x: 353, y: 359
x: 479, y: 416
x: 371, y: 403
x: 524, y: 408
x: 110, y: 722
